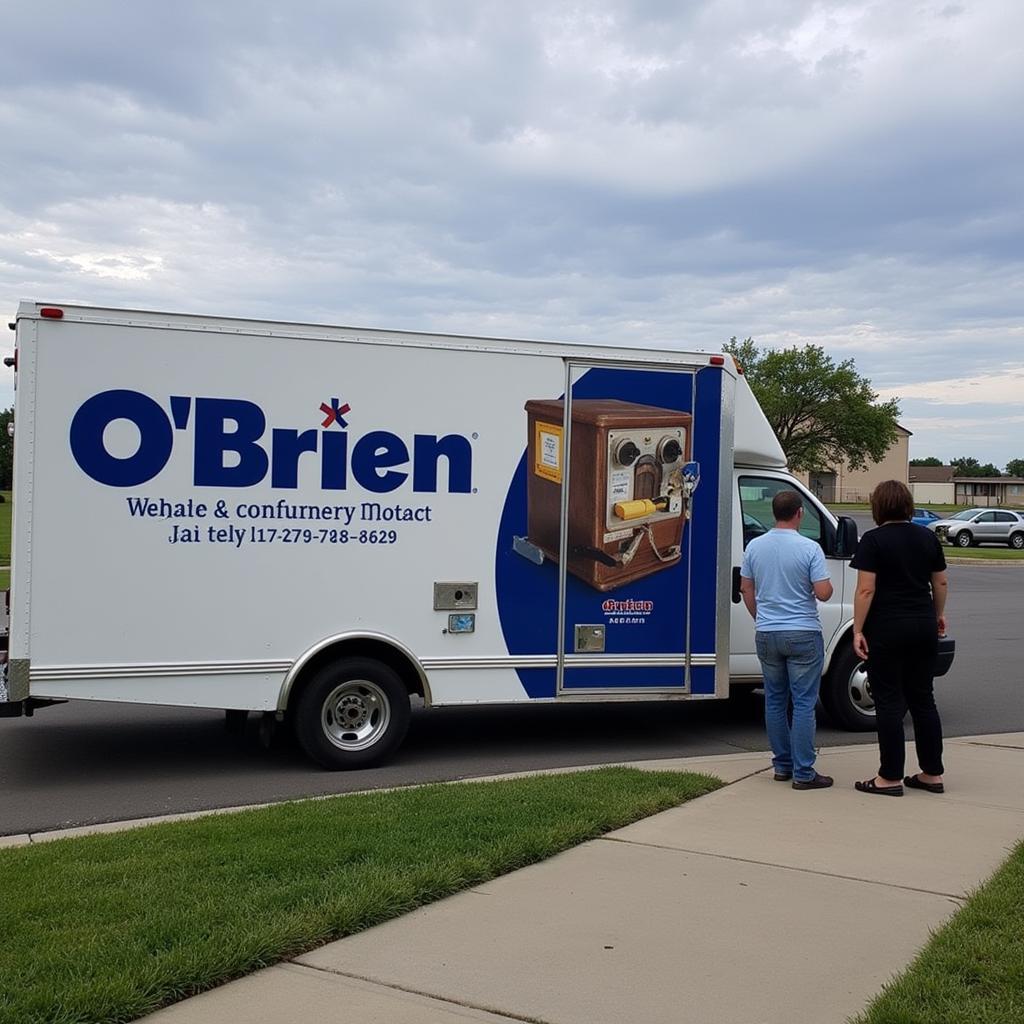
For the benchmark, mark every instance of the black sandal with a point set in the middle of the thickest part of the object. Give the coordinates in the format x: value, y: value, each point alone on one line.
x: 913, y: 782
x: 868, y: 786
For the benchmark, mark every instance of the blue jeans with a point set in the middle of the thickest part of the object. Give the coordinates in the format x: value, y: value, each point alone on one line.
x: 791, y: 663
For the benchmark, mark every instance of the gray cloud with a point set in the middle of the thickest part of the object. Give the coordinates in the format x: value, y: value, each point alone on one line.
x: 840, y: 173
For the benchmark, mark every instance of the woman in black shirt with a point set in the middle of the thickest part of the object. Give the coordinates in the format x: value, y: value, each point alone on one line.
x: 897, y: 620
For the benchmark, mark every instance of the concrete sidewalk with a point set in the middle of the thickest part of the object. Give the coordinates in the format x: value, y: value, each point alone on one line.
x: 753, y: 905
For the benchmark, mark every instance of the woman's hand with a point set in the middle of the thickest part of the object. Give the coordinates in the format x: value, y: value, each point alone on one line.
x: 942, y: 625
x: 860, y: 646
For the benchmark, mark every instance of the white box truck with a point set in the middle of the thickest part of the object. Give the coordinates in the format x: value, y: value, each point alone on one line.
x: 318, y: 523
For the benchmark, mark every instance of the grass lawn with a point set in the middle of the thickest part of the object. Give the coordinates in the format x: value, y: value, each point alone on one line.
x: 972, y: 971
x: 110, y: 927
x: 1003, y: 554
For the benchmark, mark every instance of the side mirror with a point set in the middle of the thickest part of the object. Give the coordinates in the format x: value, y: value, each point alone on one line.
x: 846, y: 537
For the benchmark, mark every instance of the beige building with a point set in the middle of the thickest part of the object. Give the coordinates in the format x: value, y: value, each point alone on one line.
x: 936, y: 485
x: 932, y: 485
x: 989, y: 490
x: 845, y: 484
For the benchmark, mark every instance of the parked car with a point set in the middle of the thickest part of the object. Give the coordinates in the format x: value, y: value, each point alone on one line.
x: 981, y: 526
x: 924, y: 517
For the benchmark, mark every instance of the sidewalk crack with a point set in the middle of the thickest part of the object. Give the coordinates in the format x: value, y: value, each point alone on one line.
x: 959, y: 898
x: 994, y: 746
x: 421, y: 992
x: 741, y: 747
x: 740, y: 778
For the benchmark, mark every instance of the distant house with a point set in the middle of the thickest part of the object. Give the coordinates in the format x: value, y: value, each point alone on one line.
x: 844, y: 484
x: 932, y: 485
x: 989, y: 490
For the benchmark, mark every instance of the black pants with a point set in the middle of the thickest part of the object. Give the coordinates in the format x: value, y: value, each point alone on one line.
x: 901, y: 670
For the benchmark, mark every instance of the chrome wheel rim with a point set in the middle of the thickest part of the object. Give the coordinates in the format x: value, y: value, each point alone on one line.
x: 355, y: 715
x: 860, y: 692
x: 963, y: 540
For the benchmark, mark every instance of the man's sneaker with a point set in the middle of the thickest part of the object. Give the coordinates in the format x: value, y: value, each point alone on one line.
x: 818, y: 782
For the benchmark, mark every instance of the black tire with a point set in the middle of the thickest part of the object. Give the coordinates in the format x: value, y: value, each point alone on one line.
x: 845, y: 694
x: 1017, y: 541
x: 352, y: 713
x: 963, y: 539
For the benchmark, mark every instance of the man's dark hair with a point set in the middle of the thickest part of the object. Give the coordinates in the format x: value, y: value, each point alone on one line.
x: 891, y: 502
x: 785, y: 505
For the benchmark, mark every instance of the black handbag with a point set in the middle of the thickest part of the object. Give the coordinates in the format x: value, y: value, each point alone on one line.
x: 947, y: 648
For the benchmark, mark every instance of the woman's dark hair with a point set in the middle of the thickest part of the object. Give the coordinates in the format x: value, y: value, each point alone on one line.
x: 891, y: 501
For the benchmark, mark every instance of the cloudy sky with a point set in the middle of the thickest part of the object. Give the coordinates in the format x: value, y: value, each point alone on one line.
x: 658, y: 172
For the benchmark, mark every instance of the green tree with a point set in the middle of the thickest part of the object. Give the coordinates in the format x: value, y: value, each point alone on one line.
x: 1015, y: 467
x: 929, y: 461
x: 822, y: 412
x: 6, y: 450
x: 965, y: 466
x: 969, y: 466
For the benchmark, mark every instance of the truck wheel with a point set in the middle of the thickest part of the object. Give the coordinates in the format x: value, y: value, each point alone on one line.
x: 353, y: 713
x: 963, y: 539
x: 846, y: 694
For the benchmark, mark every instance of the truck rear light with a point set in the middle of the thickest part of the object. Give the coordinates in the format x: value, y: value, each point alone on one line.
x: 51, y: 312
x: 717, y: 360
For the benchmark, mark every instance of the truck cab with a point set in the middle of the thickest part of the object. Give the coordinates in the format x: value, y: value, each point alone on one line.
x: 759, y: 473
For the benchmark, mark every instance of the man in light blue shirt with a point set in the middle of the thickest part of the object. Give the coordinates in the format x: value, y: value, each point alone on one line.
x: 783, y: 576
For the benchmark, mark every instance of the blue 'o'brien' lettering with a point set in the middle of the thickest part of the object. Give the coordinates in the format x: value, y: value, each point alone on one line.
x: 334, y: 461
x: 91, y: 421
x: 213, y: 440
x: 427, y: 449
x: 227, y: 449
x: 375, y: 451
x: 288, y: 445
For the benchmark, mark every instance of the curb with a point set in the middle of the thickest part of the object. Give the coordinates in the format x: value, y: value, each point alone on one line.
x: 996, y: 563
x: 104, y: 827
x: 762, y: 757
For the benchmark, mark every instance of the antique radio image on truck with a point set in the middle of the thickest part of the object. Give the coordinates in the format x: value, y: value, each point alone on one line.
x: 629, y: 491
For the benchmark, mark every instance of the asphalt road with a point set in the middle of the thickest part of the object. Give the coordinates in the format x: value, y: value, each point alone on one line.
x: 81, y: 762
